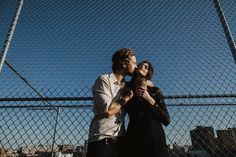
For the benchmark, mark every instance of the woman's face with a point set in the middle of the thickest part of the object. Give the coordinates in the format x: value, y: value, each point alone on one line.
x: 142, y: 69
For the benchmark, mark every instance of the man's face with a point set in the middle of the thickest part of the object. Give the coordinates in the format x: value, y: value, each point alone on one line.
x: 132, y: 65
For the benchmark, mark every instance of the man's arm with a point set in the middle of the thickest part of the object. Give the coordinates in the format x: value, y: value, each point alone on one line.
x: 101, y: 95
x: 113, y: 109
x: 115, y: 106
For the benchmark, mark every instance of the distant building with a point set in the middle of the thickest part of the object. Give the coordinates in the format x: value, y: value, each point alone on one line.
x: 204, y: 140
x: 176, y: 151
x: 85, y: 148
x: 66, y: 148
x: 227, y: 138
x: 30, y: 151
x: 59, y: 154
x: 199, y: 153
x: 227, y: 141
x: 8, y: 153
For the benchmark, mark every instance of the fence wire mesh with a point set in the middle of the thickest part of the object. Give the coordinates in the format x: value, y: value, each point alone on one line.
x: 60, y: 47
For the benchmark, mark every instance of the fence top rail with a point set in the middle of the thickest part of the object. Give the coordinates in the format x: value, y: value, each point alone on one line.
x: 206, y: 96
x: 45, y: 107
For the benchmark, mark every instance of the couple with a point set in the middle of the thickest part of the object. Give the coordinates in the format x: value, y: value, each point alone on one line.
x: 140, y: 99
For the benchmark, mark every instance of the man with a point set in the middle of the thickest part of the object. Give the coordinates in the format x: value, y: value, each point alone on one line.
x: 107, y: 127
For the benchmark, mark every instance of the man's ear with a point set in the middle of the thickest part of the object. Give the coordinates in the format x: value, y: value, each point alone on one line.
x: 124, y: 64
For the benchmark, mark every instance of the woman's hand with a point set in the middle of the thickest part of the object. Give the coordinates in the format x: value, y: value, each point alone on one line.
x: 142, y: 92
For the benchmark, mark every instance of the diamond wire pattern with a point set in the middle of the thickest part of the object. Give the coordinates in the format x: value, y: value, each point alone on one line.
x: 30, y: 127
x: 183, y: 39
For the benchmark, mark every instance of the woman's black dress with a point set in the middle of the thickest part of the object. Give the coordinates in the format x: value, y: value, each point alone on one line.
x: 145, y: 134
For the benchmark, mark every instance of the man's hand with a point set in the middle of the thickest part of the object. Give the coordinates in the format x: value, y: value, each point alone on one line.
x: 127, y: 94
x: 114, y: 108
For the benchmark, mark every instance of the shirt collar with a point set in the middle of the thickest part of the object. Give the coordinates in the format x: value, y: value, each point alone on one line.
x: 114, y: 80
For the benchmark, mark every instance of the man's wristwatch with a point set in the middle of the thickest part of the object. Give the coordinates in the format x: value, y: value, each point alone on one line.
x: 156, y: 105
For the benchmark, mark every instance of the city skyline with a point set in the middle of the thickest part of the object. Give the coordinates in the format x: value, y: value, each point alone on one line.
x: 204, y: 140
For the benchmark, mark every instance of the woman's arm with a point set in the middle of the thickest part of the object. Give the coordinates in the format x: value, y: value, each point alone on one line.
x: 161, y: 110
x: 156, y: 103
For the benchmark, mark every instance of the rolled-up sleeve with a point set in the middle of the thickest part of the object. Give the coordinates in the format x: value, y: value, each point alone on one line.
x: 101, y: 95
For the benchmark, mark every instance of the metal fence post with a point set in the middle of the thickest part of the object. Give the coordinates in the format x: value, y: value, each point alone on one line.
x: 58, y: 109
x: 225, y: 27
x: 10, y: 34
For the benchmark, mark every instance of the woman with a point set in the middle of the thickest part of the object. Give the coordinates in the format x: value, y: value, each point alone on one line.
x: 147, y: 112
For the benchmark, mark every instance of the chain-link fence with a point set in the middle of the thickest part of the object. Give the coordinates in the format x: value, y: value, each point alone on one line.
x: 60, y: 47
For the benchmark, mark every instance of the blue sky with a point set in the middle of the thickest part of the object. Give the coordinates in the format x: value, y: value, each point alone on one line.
x: 62, y: 46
